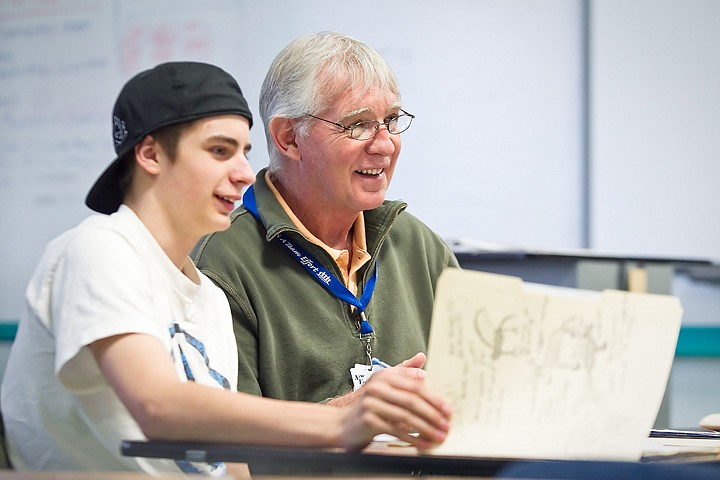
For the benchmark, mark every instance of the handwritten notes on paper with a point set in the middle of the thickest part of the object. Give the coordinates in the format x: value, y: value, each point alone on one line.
x: 535, y: 371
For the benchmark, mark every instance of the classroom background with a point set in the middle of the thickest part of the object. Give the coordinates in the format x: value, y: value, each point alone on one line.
x: 553, y: 125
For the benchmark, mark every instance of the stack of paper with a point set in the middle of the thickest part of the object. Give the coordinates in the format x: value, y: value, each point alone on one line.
x: 535, y: 371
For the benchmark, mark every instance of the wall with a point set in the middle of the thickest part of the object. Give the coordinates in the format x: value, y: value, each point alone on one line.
x: 495, y: 85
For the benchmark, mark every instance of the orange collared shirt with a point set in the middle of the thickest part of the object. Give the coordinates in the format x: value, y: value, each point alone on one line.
x: 360, y: 256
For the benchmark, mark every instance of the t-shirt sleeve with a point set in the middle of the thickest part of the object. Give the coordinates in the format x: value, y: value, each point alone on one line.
x: 100, y: 289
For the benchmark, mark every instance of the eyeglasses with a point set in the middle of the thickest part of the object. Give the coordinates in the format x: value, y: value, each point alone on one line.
x: 366, y: 130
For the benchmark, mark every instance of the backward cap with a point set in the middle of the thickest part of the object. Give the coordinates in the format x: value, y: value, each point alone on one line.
x: 170, y: 93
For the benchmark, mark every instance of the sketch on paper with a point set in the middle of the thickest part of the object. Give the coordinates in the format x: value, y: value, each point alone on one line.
x: 517, y: 359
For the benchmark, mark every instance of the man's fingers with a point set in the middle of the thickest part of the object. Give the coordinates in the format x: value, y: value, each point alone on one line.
x: 416, y: 361
x: 404, y: 401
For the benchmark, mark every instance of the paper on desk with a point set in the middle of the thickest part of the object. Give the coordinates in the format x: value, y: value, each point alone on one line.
x: 549, y: 372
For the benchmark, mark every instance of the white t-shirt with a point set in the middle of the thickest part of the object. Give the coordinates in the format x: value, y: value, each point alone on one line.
x: 105, y: 277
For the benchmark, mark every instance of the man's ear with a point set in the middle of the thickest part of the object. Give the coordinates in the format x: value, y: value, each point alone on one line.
x: 146, y: 155
x: 282, y: 132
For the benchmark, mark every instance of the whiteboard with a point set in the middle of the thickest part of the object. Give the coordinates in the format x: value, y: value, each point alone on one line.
x: 495, y: 152
x: 655, y: 116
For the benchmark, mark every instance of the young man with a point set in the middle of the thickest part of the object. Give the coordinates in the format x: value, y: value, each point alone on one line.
x: 123, y: 338
x: 333, y: 121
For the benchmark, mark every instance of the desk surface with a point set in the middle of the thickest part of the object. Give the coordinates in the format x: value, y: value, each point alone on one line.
x: 384, y: 460
x: 376, y: 460
x: 12, y: 475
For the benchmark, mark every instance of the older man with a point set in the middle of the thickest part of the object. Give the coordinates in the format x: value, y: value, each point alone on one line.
x: 322, y: 273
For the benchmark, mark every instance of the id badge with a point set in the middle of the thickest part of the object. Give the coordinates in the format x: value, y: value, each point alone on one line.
x: 361, y: 373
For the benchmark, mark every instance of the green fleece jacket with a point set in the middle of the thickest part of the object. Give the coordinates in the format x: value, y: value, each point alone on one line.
x: 296, y: 341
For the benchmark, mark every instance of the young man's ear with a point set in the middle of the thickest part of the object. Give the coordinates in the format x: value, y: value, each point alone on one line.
x: 146, y: 155
x: 282, y: 132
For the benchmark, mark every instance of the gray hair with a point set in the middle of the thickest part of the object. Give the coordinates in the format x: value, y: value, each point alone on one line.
x: 309, y: 73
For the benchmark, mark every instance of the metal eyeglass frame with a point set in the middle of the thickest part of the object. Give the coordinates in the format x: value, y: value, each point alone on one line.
x: 351, y: 128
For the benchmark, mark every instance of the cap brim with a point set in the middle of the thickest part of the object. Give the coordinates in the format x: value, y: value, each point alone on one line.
x: 106, y: 196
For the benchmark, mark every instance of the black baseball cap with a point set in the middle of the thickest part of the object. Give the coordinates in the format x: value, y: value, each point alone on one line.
x: 170, y: 93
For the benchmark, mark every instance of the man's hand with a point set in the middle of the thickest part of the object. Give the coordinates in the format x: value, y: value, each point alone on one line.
x: 399, y: 404
x: 412, y: 367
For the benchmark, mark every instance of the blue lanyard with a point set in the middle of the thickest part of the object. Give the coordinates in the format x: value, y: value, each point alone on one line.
x: 322, y: 275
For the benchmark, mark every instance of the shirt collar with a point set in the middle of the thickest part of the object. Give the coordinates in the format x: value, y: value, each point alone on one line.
x: 356, y: 259
x: 359, y: 239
